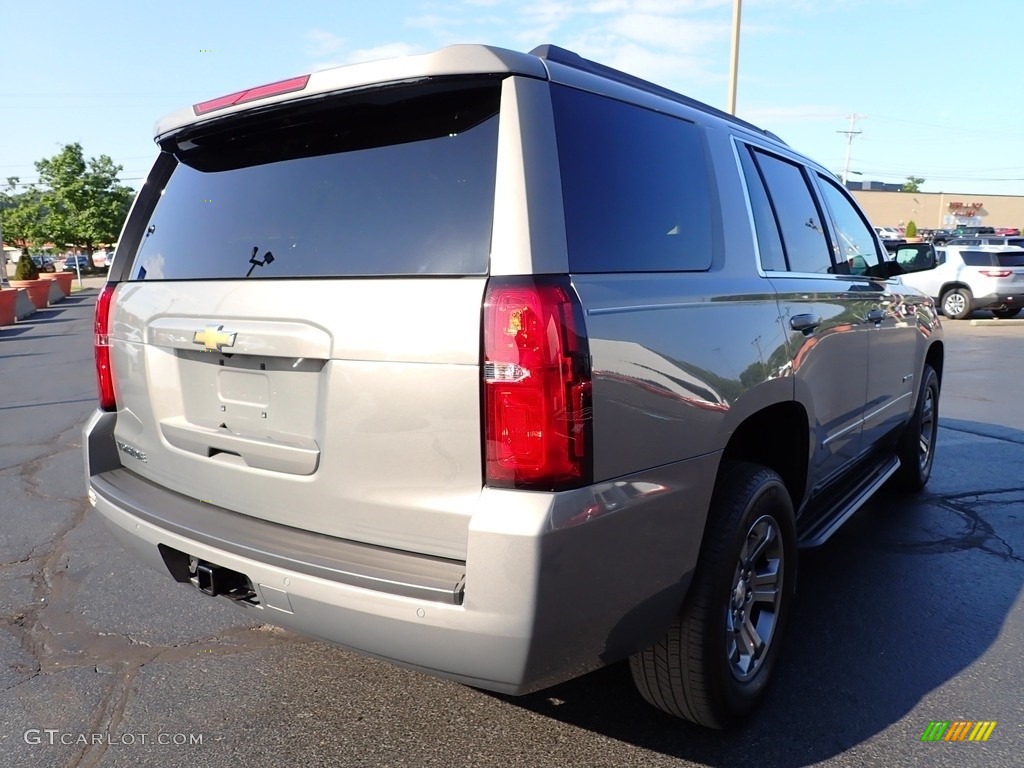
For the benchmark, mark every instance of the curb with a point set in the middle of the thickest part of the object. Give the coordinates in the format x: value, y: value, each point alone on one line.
x: 995, y: 321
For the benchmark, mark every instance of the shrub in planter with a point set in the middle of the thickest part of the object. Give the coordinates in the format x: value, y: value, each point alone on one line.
x: 26, y: 269
x: 911, y: 230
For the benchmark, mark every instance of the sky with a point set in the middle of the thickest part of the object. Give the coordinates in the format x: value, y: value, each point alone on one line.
x: 934, y: 85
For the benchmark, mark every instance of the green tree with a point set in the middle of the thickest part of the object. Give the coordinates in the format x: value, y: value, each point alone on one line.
x: 26, y: 269
x: 21, y: 217
x: 912, y: 184
x: 911, y: 230
x: 80, y: 201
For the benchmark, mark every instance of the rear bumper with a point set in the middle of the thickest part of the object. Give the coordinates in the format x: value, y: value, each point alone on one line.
x: 553, y: 585
x: 1003, y: 298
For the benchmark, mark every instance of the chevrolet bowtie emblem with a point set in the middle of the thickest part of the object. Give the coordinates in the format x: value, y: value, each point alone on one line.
x: 213, y: 337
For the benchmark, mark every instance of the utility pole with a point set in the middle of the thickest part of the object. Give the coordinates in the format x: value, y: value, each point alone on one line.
x: 850, y: 133
x: 735, y: 60
x: 3, y: 260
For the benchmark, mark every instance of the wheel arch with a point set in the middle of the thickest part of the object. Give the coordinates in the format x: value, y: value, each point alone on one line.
x: 936, y: 357
x: 777, y: 437
x: 953, y: 285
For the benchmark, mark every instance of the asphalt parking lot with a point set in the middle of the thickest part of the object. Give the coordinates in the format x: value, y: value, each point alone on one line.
x: 913, y: 613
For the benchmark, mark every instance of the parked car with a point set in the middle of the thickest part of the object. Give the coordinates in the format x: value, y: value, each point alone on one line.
x: 1017, y: 242
x: 101, y: 258
x: 969, y: 278
x: 1007, y: 231
x: 78, y: 263
x: 44, y: 263
x: 972, y: 231
x: 938, y: 236
x: 533, y: 367
x: 889, y: 233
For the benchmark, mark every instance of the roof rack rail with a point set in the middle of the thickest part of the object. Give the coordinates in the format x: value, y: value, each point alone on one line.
x: 566, y: 57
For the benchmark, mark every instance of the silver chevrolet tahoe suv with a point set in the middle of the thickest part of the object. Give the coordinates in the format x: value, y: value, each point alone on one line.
x: 503, y: 367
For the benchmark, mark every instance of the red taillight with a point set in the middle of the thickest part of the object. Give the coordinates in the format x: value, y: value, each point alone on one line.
x: 101, y: 346
x: 996, y: 272
x: 251, y: 94
x: 536, y: 380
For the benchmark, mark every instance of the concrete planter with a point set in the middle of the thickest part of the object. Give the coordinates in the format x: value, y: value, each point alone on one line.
x: 8, y: 300
x: 23, y: 306
x: 63, y: 279
x: 38, y: 291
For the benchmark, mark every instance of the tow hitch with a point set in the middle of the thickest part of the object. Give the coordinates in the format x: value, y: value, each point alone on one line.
x: 211, y: 579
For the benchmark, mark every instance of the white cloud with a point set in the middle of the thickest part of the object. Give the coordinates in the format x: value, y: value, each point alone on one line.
x: 667, y: 32
x: 544, y: 18
x: 387, y: 51
x: 323, y: 43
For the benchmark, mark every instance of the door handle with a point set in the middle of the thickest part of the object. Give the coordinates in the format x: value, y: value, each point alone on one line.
x: 875, y: 316
x: 804, y: 323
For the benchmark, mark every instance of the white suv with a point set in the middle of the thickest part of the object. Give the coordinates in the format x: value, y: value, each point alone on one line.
x: 975, y: 277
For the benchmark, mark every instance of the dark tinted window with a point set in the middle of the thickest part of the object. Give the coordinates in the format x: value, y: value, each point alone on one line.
x: 769, y: 242
x: 1010, y: 259
x: 634, y: 185
x: 856, y: 246
x: 803, y: 233
x: 978, y: 258
x: 396, y: 181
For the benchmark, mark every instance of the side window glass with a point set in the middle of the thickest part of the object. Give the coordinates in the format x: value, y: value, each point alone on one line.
x: 769, y: 242
x: 635, y: 186
x: 803, y: 231
x: 856, y: 245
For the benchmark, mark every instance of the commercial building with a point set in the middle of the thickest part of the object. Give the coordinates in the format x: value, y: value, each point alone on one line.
x: 935, y: 210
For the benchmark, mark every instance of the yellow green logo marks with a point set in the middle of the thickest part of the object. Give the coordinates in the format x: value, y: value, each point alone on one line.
x: 958, y: 730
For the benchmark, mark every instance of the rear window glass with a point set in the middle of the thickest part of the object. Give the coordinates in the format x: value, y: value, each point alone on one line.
x: 1010, y: 259
x: 395, y: 181
x: 978, y: 258
x: 634, y: 185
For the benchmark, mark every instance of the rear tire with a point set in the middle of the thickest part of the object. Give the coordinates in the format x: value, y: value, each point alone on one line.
x: 956, y: 304
x: 1006, y: 313
x: 916, y: 449
x: 714, y: 663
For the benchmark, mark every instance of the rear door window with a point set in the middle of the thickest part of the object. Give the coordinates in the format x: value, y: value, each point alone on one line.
x: 800, y: 221
x: 769, y: 241
x: 391, y: 182
x: 635, y: 186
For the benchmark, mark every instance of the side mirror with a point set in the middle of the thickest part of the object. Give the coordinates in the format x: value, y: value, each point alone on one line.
x: 912, y: 257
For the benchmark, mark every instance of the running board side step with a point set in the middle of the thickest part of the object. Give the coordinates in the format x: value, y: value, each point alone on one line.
x: 829, y: 524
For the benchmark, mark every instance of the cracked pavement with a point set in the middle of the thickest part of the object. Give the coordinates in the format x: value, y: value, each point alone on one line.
x: 913, y: 612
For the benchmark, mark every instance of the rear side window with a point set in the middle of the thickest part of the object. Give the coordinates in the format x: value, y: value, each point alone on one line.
x: 978, y: 258
x: 395, y: 181
x: 635, y: 186
x: 769, y: 242
x: 803, y: 230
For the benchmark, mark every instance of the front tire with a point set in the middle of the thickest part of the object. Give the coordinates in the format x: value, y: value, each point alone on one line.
x: 916, y: 449
x: 956, y: 304
x: 713, y: 665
